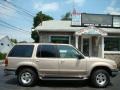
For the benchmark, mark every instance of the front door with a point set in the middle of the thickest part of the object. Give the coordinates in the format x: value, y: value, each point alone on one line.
x: 86, y: 46
x: 70, y: 64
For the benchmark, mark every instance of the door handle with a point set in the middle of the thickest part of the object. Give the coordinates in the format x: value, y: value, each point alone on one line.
x: 37, y: 60
x: 62, y: 61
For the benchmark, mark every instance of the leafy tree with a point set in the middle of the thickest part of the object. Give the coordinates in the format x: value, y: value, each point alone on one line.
x: 35, y: 36
x: 2, y: 56
x: 23, y: 42
x: 13, y: 40
x: 67, y: 16
x: 36, y: 21
x: 40, y: 17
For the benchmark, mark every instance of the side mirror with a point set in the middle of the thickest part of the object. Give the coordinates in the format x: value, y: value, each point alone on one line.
x: 79, y: 56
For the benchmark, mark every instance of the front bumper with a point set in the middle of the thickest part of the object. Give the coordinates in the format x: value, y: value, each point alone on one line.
x: 114, y: 72
x: 9, y: 72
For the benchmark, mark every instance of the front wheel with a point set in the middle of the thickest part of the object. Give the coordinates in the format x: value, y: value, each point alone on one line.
x: 100, y: 78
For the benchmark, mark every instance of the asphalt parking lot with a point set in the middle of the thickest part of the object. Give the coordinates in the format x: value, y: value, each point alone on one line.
x: 10, y: 83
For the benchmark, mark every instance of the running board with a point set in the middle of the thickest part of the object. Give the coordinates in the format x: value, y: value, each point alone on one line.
x: 63, y: 78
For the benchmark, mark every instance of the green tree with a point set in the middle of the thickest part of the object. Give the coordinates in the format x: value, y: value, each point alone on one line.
x: 13, y: 40
x: 2, y: 56
x: 36, y: 21
x: 67, y: 16
x: 40, y: 17
x: 35, y: 36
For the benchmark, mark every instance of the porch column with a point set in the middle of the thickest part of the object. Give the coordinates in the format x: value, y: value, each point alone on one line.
x: 39, y: 38
x: 102, y: 52
x: 76, y: 41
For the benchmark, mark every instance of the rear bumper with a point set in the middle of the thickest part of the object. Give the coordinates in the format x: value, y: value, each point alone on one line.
x: 9, y: 72
x: 114, y: 72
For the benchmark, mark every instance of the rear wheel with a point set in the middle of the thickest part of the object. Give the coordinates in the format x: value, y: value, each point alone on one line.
x: 100, y: 78
x: 27, y: 77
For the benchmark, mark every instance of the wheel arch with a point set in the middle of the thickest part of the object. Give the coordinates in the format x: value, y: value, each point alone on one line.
x: 100, y: 67
x: 26, y: 66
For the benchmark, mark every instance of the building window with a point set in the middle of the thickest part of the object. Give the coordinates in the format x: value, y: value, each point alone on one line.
x: 116, y: 21
x: 60, y: 39
x: 112, y: 44
x: 2, y: 44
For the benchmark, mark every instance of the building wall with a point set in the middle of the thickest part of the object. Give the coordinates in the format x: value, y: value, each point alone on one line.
x: 45, y: 36
x: 7, y: 45
x: 113, y: 56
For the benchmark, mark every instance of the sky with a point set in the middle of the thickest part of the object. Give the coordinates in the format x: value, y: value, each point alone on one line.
x: 54, y: 8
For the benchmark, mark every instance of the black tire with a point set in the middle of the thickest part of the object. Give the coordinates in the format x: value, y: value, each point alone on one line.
x: 33, y: 77
x: 96, y: 82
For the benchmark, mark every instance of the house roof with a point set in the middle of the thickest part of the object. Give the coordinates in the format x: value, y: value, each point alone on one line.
x: 58, y: 25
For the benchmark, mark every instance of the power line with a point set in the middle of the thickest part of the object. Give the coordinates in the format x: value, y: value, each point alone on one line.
x: 17, y: 11
x: 23, y: 11
x: 13, y: 16
x: 14, y: 27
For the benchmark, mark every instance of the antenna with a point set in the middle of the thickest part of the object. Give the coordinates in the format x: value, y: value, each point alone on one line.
x: 73, y: 4
x: 73, y: 8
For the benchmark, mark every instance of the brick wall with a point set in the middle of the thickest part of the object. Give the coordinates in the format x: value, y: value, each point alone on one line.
x: 115, y: 57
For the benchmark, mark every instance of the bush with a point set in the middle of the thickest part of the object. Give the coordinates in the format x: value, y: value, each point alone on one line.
x: 2, y: 56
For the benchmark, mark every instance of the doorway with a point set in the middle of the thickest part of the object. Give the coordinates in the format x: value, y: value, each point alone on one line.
x: 90, y: 46
x: 86, y: 45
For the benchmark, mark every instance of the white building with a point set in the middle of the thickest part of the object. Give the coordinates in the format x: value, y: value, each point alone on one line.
x: 5, y: 44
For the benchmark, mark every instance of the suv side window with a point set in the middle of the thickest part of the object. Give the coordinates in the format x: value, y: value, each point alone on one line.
x: 45, y: 51
x: 67, y: 52
x: 21, y: 51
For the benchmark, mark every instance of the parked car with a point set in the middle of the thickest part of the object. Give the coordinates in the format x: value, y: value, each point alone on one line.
x: 45, y: 61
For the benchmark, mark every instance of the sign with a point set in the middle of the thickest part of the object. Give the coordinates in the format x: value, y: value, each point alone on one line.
x: 76, y: 18
x: 96, y: 19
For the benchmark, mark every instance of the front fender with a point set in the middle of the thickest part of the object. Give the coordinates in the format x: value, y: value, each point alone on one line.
x: 98, y: 64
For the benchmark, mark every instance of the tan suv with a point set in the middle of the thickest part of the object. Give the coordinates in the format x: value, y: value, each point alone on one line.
x: 31, y: 62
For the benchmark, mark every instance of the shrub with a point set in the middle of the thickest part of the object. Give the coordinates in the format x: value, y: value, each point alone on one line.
x: 2, y: 56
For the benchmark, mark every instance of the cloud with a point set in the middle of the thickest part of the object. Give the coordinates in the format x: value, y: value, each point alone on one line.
x: 47, y: 7
x: 111, y: 8
x: 76, y: 2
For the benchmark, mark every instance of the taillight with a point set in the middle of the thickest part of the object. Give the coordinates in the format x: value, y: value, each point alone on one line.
x: 6, y: 62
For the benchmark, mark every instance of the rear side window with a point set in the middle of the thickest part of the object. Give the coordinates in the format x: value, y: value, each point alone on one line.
x: 21, y: 51
x: 45, y: 51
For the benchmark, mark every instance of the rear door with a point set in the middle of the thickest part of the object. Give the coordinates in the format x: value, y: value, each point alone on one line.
x: 47, y: 60
x: 72, y: 63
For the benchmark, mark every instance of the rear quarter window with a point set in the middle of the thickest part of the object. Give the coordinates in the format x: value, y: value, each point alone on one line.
x: 21, y: 51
